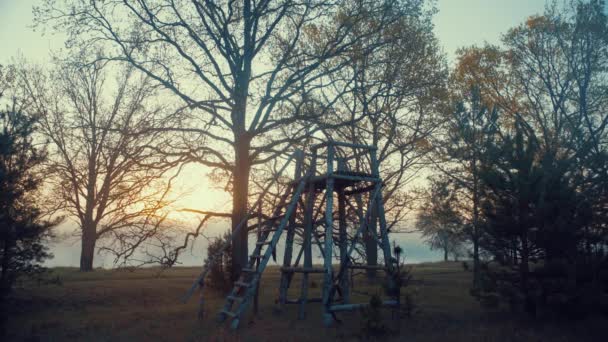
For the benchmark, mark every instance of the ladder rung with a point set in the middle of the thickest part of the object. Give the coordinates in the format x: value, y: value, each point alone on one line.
x: 228, y: 313
x: 262, y: 243
x: 248, y: 270
x: 256, y: 257
x: 299, y: 300
x: 235, y: 298
x: 303, y: 270
x: 367, y: 267
x: 242, y: 284
x: 268, y: 230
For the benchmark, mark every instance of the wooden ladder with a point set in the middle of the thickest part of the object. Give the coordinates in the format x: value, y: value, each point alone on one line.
x: 245, y: 287
x: 199, y: 282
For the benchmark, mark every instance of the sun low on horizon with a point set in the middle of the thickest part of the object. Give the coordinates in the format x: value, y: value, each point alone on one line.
x: 195, y: 190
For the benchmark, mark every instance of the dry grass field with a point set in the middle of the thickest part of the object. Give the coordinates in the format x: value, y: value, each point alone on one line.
x: 145, y: 306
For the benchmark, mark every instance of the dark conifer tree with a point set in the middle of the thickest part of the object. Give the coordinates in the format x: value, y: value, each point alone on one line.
x: 22, y: 231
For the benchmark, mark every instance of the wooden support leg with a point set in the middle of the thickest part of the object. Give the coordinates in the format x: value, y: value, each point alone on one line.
x: 300, y: 253
x: 371, y: 245
x: 386, y: 249
x: 291, y: 230
x: 385, y: 242
x: 344, y: 267
x: 307, y: 263
x: 329, y: 274
x: 256, y: 299
x: 257, y: 263
x: 201, y: 302
x: 343, y: 243
x: 307, y: 247
x: 285, y: 276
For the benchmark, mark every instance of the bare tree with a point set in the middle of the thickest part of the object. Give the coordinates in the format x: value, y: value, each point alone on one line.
x: 459, y: 147
x: 244, y: 69
x: 397, y: 91
x: 101, y: 174
x: 439, y: 220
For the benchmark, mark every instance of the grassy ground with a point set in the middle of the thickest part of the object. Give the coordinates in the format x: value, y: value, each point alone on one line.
x: 145, y: 306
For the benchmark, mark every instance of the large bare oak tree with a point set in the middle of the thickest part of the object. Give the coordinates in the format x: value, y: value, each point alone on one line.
x: 243, y: 69
x: 101, y: 175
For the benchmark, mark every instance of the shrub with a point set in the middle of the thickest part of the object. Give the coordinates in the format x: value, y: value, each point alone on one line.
x: 465, y: 266
x: 218, y: 277
x: 558, y: 287
x: 401, y: 275
x: 489, y: 300
x: 373, y: 323
x: 408, y: 304
x: 397, y: 280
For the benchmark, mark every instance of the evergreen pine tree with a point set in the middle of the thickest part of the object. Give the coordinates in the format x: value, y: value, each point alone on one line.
x: 22, y: 231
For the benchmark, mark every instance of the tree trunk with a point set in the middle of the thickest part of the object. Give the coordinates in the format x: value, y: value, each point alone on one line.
x: 445, y: 254
x: 524, y: 273
x: 371, y: 246
x: 242, y: 165
x: 343, y: 243
x: 476, y: 265
x: 5, y: 281
x: 524, y: 267
x: 240, y: 194
x: 5, y: 277
x: 89, y: 238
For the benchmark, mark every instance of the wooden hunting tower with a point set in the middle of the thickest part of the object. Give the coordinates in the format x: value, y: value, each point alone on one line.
x: 333, y: 201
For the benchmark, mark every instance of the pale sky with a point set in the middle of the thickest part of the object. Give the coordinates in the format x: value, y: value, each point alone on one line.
x: 459, y: 23
x: 472, y: 22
